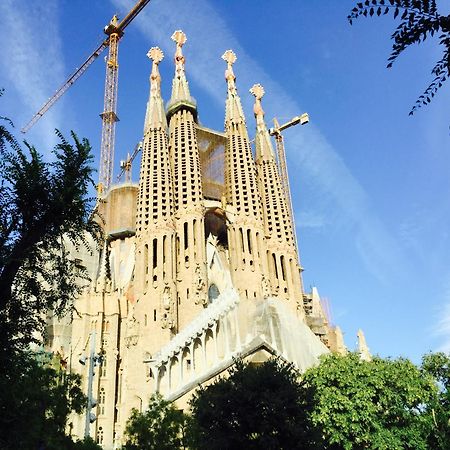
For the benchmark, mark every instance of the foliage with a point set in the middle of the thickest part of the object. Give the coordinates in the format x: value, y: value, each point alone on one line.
x: 256, y: 407
x: 379, y: 404
x: 437, y: 365
x: 43, y: 206
x: 35, y: 405
x: 160, y: 427
x: 419, y: 19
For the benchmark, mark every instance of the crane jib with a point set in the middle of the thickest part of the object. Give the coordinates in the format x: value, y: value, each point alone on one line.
x: 78, y: 72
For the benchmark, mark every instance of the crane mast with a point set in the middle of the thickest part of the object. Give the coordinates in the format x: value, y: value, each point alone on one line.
x: 281, y: 155
x: 109, y: 114
x: 114, y: 31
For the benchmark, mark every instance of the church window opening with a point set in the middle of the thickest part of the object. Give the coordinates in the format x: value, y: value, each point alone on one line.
x: 155, y: 259
x: 249, y: 242
x: 100, y: 435
x: 185, y: 230
x: 154, y: 315
x: 146, y: 258
x: 274, y: 259
x: 103, y: 366
x: 283, y: 268
x: 213, y: 293
x: 101, y: 401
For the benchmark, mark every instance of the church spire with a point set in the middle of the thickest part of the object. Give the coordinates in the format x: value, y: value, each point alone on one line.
x: 264, y: 148
x: 284, y: 272
x: 234, y: 113
x: 155, y: 227
x: 155, y: 117
x: 180, y: 87
x: 245, y: 232
x: 188, y: 194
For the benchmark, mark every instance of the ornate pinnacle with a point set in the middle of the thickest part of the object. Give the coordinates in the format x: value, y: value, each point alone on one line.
x: 258, y: 92
x: 180, y: 39
x: 230, y: 58
x: 156, y: 55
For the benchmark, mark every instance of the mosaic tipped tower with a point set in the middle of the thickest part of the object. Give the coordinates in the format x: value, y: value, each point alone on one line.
x: 284, y: 269
x: 245, y: 232
x: 189, y: 208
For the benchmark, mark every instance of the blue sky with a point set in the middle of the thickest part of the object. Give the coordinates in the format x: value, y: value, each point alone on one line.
x: 370, y: 184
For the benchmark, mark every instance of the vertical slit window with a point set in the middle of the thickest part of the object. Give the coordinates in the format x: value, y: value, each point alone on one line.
x: 185, y: 229
x: 249, y: 242
x: 274, y: 259
x: 155, y: 259
x: 283, y: 268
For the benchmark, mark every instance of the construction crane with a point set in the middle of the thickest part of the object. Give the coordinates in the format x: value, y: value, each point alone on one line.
x: 276, y: 132
x: 125, y: 165
x: 114, y: 31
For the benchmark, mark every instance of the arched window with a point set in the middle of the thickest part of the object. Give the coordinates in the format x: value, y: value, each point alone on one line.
x: 100, y: 435
x: 103, y: 367
x: 101, y: 401
x: 213, y: 293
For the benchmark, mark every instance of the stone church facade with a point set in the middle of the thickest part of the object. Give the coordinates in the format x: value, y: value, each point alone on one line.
x: 199, y: 265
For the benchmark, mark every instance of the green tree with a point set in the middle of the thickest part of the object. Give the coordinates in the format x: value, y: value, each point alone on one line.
x: 35, y: 405
x: 160, y: 427
x: 379, y: 404
x: 419, y: 19
x: 437, y: 365
x: 43, y: 205
x: 256, y: 407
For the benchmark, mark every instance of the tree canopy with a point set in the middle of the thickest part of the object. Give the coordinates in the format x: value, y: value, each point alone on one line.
x: 161, y: 427
x: 43, y: 205
x: 419, y: 19
x: 343, y: 403
x: 256, y: 407
x: 36, y: 403
x: 380, y: 404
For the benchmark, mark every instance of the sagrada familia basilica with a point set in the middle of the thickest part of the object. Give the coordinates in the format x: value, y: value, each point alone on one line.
x: 199, y: 267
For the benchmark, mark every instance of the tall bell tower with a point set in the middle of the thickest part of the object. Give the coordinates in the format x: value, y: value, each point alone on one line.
x: 284, y: 271
x: 245, y: 231
x: 188, y: 193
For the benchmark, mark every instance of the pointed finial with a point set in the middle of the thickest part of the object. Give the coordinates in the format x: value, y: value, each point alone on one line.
x: 180, y: 39
x: 258, y: 92
x: 156, y: 55
x: 230, y: 58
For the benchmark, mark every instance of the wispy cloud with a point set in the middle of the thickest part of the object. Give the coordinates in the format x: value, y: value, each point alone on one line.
x: 317, y: 160
x: 32, y: 48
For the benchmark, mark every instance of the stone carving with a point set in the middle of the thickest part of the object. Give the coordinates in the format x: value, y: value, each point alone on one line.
x: 199, y: 287
x: 155, y: 54
x: 230, y: 58
x: 180, y: 38
x: 167, y: 320
x: 258, y: 92
x: 265, y: 287
x: 132, y: 336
